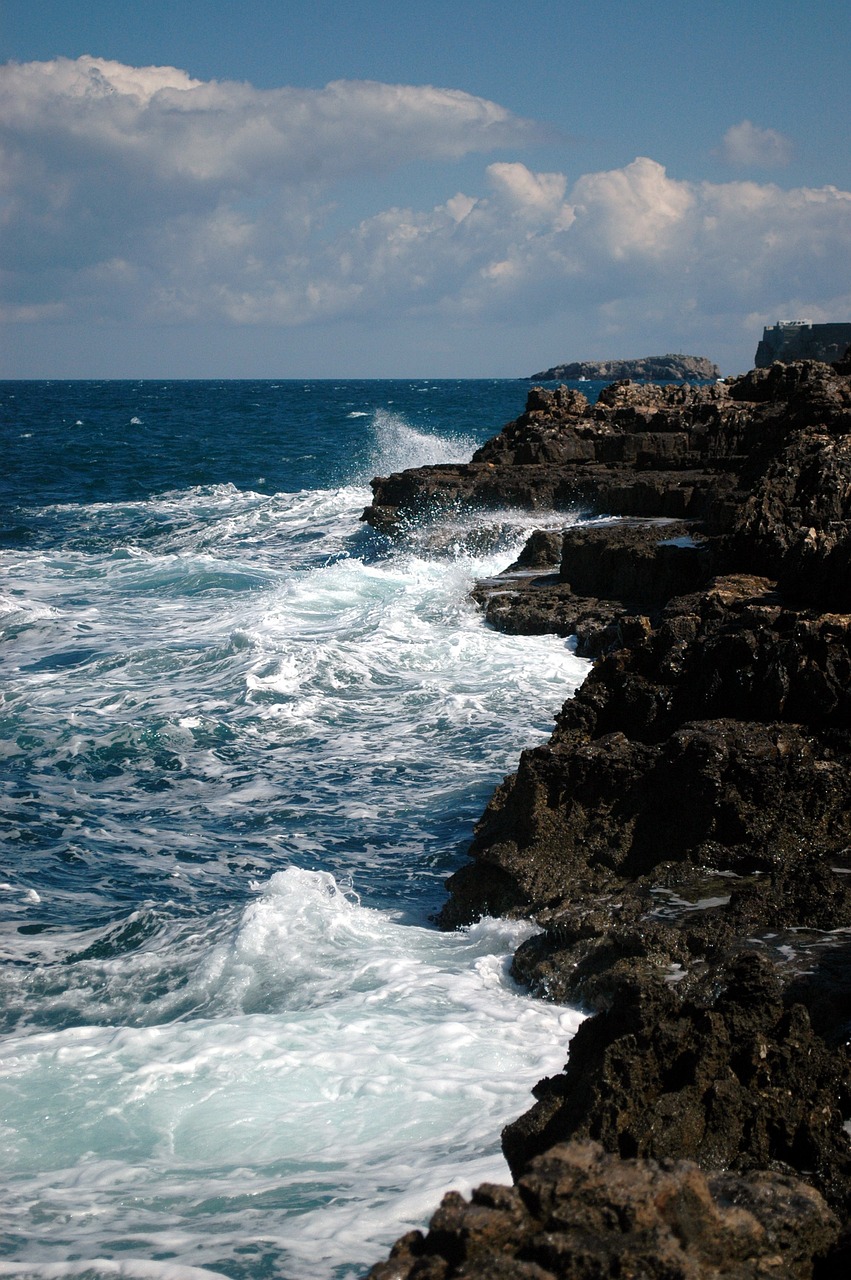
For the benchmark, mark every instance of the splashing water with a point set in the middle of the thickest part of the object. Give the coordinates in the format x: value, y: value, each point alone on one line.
x: 241, y: 748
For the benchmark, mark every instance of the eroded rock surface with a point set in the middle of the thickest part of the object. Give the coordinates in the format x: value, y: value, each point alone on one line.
x: 684, y: 838
x: 578, y: 1212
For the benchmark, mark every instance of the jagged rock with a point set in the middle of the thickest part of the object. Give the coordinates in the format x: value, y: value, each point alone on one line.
x: 564, y: 454
x: 634, y: 787
x: 580, y: 1214
x: 606, y: 574
x: 684, y: 838
x: 762, y: 458
x: 731, y: 1078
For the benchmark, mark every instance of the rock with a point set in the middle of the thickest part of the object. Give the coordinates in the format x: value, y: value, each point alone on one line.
x: 563, y: 454
x: 670, y: 368
x: 683, y: 841
x: 606, y: 573
x: 682, y: 749
x: 801, y: 340
x: 578, y: 1213
x: 729, y: 1077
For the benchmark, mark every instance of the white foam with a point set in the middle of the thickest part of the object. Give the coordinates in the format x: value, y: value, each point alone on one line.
x: 216, y: 688
x: 399, y: 446
x: 385, y: 1062
x: 95, y: 1268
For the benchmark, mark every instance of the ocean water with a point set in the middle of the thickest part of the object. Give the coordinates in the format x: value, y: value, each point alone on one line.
x: 243, y: 741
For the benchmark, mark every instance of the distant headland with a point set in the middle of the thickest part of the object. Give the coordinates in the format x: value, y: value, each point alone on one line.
x: 668, y: 368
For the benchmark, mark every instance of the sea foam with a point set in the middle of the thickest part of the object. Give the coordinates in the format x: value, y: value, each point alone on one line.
x: 339, y: 1048
x: 244, y: 742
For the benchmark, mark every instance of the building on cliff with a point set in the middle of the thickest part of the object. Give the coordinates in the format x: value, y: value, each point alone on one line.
x: 790, y: 340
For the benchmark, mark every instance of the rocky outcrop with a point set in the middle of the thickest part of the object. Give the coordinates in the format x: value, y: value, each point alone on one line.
x: 719, y: 739
x: 684, y: 838
x: 728, y: 1076
x: 579, y: 1212
x: 669, y: 368
x: 801, y: 340
x: 674, y: 452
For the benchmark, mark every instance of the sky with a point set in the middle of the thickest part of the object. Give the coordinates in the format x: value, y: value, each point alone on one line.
x: 365, y: 188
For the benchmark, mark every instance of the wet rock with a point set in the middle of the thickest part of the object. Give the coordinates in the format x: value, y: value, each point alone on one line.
x: 641, y: 564
x: 641, y: 450
x: 684, y: 838
x: 773, y: 439
x: 580, y: 1214
x: 606, y: 575
x: 729, y: 1077
x: 634, y: 788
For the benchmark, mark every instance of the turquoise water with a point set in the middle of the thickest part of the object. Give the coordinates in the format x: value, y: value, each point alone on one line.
x: 243, y: 740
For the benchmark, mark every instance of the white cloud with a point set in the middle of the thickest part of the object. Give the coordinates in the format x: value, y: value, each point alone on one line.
x: 636, y: 244
x: 208, y: 189
x: 637, y: 211
x: 536, y: 193
x: 140, y: 192
x: 747, y: 146
x: 225, y: 132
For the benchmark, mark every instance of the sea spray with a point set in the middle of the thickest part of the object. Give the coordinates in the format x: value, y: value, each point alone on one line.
x: 244, y: 741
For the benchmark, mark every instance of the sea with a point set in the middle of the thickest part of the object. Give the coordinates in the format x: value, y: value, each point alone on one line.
x: 244, y: 740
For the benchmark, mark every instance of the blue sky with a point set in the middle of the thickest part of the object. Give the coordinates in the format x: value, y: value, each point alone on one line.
x: 484, y: 188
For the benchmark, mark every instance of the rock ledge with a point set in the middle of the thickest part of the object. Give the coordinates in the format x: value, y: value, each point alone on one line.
x: 683, y: 840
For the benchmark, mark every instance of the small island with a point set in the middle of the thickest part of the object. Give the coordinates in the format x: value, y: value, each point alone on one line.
x: 668, y: 368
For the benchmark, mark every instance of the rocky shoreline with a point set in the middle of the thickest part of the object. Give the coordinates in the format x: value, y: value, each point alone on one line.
x: 684, y: 838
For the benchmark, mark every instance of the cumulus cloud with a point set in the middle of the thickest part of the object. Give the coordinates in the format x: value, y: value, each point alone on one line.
x: 747, y: 146
x: 223, y: 132
x: 105, y: 162
x: 141, y: 192
x: 619, y: 239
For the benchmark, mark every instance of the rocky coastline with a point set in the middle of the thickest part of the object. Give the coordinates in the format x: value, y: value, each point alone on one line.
x: 667, y: 368
x: 683, y: 841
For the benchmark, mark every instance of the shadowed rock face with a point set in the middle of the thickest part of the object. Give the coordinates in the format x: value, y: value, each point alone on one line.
x: 717, y: 743
x: 684, y: 838
x: 728, y: 1077
x: 770, y: 439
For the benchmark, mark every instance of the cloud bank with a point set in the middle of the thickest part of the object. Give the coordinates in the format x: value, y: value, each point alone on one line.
x: 142, y: 193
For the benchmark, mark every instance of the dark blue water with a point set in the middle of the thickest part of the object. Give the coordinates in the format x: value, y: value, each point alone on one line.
x: 117, y: 441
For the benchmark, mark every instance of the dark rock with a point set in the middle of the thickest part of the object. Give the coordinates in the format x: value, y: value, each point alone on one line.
x: 577, y: 1213
x: 642, y: 565
x: 607, y: 574
x: 684, y: 838
x: 730, y: 1078
x: 633, y: 787
x: 774, y: 439
x: 542, y: 550
x: 645, y: 451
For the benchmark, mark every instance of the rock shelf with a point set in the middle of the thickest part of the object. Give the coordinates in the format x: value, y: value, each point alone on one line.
x: 683, y: 840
